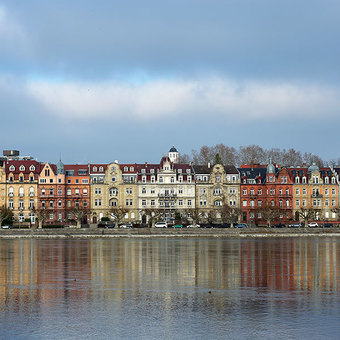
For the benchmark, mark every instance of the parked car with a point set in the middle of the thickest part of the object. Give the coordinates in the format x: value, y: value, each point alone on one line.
x: 278, y: 225
x: 126, y: 226
x: 294, y: 225
x: 6, y: 227
x: 242, y: 225
x: 327, y: 225
x: 313, y: 225
x: 177, y: 226
x: 110, y: 225
x: 161, y: 225
x: 207, y: 226
x: 193, y: 226
x: 223, y: 225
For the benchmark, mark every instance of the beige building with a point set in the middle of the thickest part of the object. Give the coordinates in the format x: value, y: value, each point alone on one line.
x: 21, y: 189
x: 317, y: 189
x: 217, y: 185
x: 113, y: 186
x: 167, y: 187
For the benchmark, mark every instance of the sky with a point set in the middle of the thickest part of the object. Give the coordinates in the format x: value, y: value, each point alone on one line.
x: 97, y: 81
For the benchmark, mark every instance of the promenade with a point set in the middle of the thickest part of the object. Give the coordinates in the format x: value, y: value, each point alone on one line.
x: 146, y: 232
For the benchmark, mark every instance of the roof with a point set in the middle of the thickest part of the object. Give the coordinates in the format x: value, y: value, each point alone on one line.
x: 202, y: 169
x: 254, y: 173
x: 26, y: 163
x: 173, y: 149
x: 78, y: 170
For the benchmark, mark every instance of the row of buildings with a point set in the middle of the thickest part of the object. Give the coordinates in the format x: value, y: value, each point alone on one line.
x: 167, y: 188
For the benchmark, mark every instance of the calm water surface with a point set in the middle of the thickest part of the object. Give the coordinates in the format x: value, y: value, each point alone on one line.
x: 170, y: 289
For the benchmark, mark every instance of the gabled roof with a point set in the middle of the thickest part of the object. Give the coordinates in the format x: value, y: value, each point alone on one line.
x: 26, y: 163
x: 254, y: 173
x: 202, y: 169
x: 78, y: 169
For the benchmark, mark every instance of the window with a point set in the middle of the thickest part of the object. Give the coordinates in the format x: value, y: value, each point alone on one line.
x: 113, y: 179
x: 259, y: 191
x: 189, y: 179
x: 59, y: 204
x: 60, y: 192
x: 160, y: 179
x: 76, y: 191
x: 113, y: 192
x: 21, y: 204
x: 180, y: 191
x: 85, y: 181
x: 51, y: 204
x: 259, y: 203
x: 244, y: 191
x: 297, y: 203
x: 43, y: 204
x: 217, y: 191
x: 10, y: 203
x: 126, y: 168
x: 85, y: 204
x: 297, y: 191
x: 21, y: 192
x: 101, y: 169
x: 244, y: 203
x: 252, y: 203
x: 203, y: 202
x: 32, y: 168
x: 12, y: 168
x: 144, y: 179
x: 31, y: 204
x: 172, y: 179
x: 326, y: 191
x: 252, y: 192
x: 333, y: 203
x: 333, y: 180
x: 85, y: 192
x: 326, y: 202
x: 304, y: 191
x: 152, y: 191
x: 304, y: 203
x: 47, y: 172
x: 51, y: 180
x: 180, y: 203
x: 68, y: 192
x: 304, y: 180
x: 51, y: 192
x: 31, y: 178
x: 144, y: 203
x: 297, y: 180
x: 203, y: 191
x: 189, y: 203
x: 143, y: 190
x: 94, y: 169
x: 152, y: 203
x: 21, y: 179
x: 326, y: 180
x: 69, y: 204
x: 98, y: 191
x: 333, y: 191
x: 51, y: 216
x: 132, y: 168
x: 152, y: 179
x: 218, y: 179
x: 43, y: 192
x: 287, y: 203
x: 69, y: 181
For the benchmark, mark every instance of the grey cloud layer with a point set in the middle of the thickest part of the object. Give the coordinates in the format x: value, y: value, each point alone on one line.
x: 266, y: 39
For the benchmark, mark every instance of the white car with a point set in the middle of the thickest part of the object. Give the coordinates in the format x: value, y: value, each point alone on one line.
x: 313, y: 225
x: 126, y: 226
x: 161, y: 225
x: 193, y: 226
x: 5, y: 227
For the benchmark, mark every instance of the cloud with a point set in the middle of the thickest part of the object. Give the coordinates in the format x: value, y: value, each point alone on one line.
x: 157, y: 99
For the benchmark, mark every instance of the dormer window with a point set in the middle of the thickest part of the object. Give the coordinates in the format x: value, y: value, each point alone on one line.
x: 188, y: 171
x: 304, y: 180
x: 179, y: 171
x: 22, y: 168
x: 297, y: 180
x: 126, y: 168
x: 333, y: 180
x: 143, y: 171
x: 94, y: 169
x: 12, y: 168
x: 101, y: 169
x: 326, y: 180
x: 144, y: 179
x: 152, y: 171
x: 132, y: 168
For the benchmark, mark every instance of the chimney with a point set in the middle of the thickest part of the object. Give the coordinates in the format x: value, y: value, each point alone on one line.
x: 146, y: 163
x: 209, y: 165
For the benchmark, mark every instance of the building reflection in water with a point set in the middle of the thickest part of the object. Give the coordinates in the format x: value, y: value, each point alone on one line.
x: 58, y: 273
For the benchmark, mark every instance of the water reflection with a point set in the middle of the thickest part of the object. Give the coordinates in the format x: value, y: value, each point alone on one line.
x: 50, y: 282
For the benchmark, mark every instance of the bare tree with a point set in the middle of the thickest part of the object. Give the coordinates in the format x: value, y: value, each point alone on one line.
x: 269, y: 213
x: 79, y: 213
x: 193, y: 215
x: 40, y: 215
x: 229, y: 214
x: 252, y: 153
x: 118, y: 214
x: 5, y: 214
x: 184, y: 159
x: 153, y: 215
x: 307, y: 214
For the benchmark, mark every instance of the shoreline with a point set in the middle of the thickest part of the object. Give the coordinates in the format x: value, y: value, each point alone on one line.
x: 86, y: 233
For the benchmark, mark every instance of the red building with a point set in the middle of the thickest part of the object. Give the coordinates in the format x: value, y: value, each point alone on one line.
x: 266, y: 188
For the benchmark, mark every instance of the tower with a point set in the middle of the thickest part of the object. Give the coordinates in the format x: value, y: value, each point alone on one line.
x: 173, y: 155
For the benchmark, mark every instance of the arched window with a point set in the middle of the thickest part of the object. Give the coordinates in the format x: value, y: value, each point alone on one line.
x: 94, y: 169
x: 12, y: 168
x: 32, y: 167
x: 126, y: 168
x: 132, y: 168
x: 22, y: 168
x: 21, y: 191
x: 326, y: 180
x: 101, y: 169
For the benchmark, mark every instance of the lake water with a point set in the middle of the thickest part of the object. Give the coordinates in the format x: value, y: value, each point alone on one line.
x: 170, y: 288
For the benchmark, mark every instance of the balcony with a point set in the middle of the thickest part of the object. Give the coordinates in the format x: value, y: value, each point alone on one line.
x: 11, y: 194
x: 31, y: 194
x: 167, y: 195
x: 316, y: 196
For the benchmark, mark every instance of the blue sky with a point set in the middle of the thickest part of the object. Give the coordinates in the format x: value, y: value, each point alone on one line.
x: 104, y: 80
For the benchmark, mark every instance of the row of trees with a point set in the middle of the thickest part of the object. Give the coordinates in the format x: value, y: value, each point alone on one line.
x: 255, y: 153
x: 221, y: 214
